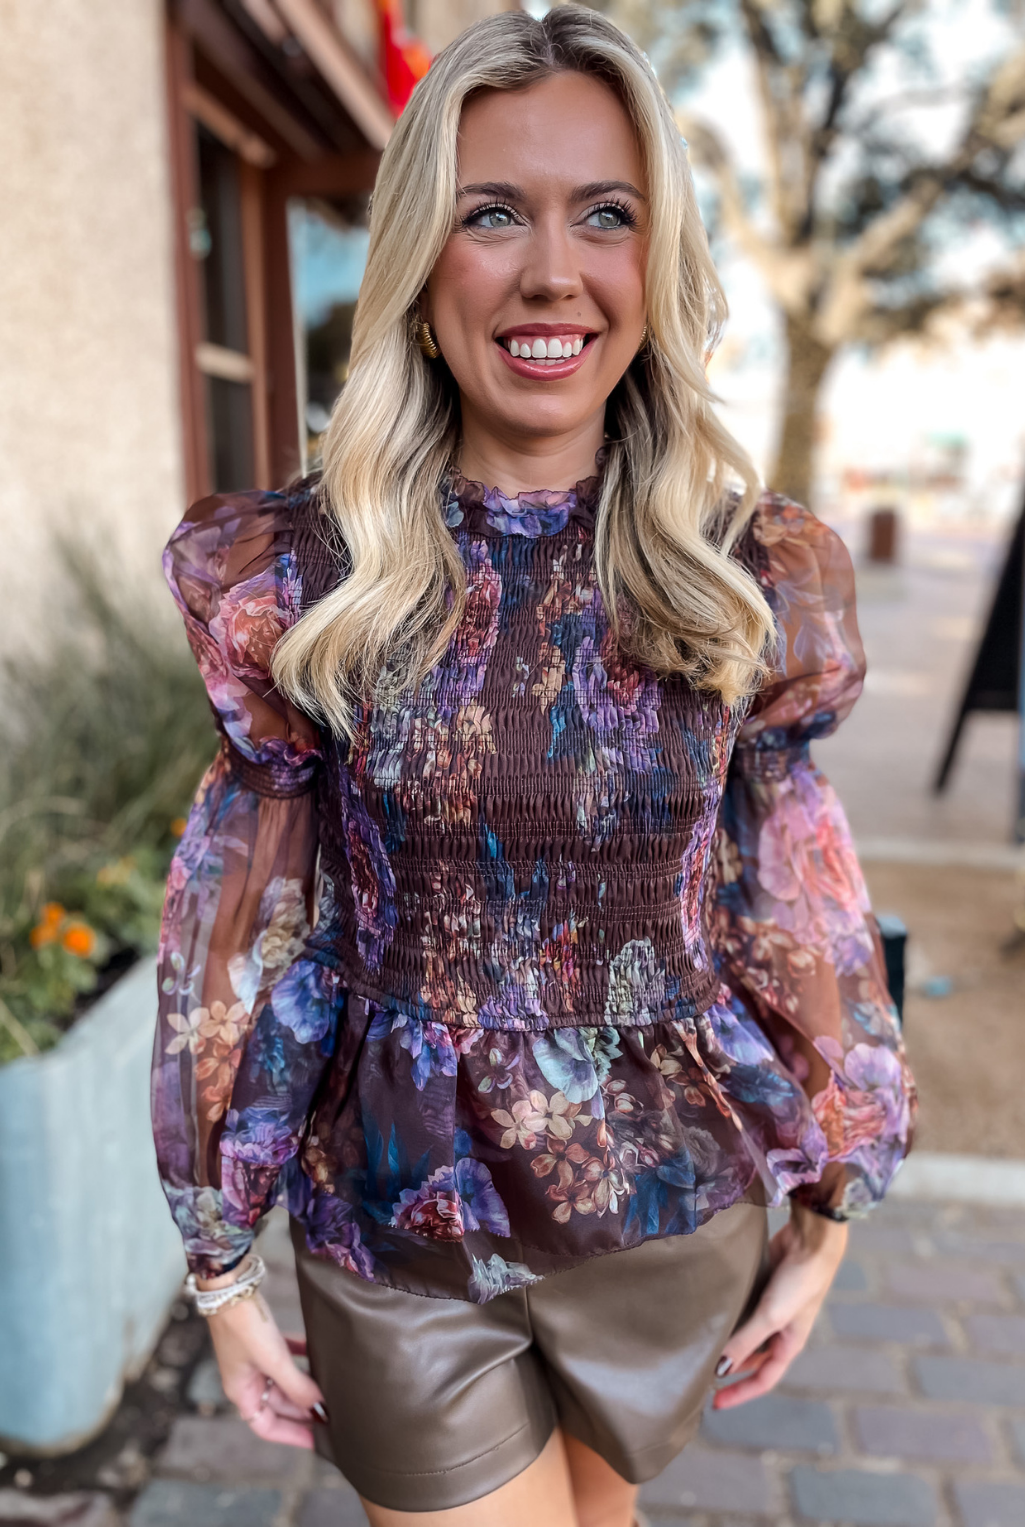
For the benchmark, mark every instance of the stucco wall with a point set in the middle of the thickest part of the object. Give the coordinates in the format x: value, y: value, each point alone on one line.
x: 89, y: 414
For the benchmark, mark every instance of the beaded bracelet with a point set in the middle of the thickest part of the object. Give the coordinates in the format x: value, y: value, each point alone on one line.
x: 209, y: 1300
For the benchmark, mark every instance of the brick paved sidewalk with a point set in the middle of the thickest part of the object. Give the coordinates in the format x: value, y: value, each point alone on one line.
x: 907, y: 1410
x: 908, y: 1407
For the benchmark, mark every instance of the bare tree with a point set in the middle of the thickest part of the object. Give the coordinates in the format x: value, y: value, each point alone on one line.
x: 864, y: 181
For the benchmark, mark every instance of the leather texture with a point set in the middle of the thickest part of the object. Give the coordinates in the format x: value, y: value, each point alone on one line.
x: 437, y: 1402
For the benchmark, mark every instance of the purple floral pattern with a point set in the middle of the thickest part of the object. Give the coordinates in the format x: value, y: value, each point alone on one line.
x: 547, y: 1091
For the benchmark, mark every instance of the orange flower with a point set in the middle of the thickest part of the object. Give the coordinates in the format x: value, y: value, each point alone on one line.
x: 178, y: 826
x: 48, y: 926
x: 78, y: 938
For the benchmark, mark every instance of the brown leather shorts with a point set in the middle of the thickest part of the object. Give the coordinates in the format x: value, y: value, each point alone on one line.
x: 436, y: 1402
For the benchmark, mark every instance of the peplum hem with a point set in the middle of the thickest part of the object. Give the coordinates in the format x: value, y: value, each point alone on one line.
x: 517, y: 1154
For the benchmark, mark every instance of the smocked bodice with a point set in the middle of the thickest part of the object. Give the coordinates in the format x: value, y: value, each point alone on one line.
x: 524, y: 841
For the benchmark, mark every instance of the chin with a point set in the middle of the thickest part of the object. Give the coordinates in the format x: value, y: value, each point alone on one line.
x: 541, y: 423
x: 539, y: 411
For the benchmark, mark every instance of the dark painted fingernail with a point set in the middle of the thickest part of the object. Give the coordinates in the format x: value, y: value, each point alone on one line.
x: 320, y: 1413
x: 723, y: 1367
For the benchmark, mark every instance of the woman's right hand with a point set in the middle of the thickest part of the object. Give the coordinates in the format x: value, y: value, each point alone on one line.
x: 279, y: 1401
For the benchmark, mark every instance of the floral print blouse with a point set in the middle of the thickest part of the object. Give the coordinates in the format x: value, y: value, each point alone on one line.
x: 525, y: 1084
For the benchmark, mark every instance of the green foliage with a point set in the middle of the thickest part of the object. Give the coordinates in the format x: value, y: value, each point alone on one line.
x: 106, y: 734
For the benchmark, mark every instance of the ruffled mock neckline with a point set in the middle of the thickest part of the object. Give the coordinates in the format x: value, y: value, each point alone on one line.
x: 544, y: 512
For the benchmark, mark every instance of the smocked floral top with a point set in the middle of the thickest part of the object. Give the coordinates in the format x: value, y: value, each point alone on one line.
x: 551, y: 956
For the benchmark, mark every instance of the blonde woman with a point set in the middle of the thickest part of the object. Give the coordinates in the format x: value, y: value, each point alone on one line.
x: 515, y: 941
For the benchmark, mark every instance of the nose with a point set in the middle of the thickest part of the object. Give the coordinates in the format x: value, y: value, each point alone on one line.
x: 551, y: 269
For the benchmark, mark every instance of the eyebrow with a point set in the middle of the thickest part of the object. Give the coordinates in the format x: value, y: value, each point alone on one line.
x: 580, y: 193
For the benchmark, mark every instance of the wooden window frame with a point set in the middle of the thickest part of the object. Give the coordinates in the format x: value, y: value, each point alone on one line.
x: 190, y: 104
x: 291, y: 163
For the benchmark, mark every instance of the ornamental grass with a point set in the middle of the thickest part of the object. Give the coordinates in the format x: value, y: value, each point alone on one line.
x: 106, y: 733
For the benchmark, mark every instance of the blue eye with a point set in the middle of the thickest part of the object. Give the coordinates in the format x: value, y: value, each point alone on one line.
x: 491, y: 217
x: 610, y: 215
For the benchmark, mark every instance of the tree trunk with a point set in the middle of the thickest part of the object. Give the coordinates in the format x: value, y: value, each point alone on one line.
x: 807, y: 363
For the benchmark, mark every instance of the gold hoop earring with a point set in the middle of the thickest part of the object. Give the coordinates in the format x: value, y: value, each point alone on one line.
x: 426, y: 340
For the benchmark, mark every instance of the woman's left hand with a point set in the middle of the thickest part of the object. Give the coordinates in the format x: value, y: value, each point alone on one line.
x: 805, y: 1256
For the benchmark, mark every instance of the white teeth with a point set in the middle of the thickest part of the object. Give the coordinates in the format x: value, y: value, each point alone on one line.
x: 550, y: 350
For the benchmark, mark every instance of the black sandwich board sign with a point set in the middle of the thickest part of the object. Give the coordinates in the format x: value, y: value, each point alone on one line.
x: 997, y: 679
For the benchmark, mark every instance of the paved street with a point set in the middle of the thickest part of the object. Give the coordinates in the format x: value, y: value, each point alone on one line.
x: 908, y: 1409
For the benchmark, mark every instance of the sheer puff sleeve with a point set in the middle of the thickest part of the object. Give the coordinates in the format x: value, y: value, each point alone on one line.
x: 792, y: 927
x: 240, y: 894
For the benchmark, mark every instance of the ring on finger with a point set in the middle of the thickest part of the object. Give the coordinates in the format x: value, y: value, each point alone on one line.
x: 263, y: 1403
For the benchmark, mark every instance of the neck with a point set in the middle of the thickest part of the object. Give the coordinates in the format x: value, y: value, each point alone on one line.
x: 517, y: 465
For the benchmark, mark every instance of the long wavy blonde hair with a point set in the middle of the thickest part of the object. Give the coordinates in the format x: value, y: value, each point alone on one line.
x: 666, y: 519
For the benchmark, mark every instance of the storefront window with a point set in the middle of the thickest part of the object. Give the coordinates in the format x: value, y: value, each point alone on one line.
x: 329, y: 251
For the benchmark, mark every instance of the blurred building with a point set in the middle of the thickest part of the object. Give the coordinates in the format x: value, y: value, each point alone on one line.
x: 164, y: 162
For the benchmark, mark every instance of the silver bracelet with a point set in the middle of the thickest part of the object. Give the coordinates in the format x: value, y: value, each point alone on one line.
x: 209, y: 1300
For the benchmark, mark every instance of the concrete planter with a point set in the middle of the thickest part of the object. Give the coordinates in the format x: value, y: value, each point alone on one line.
x: 90, y: 1259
